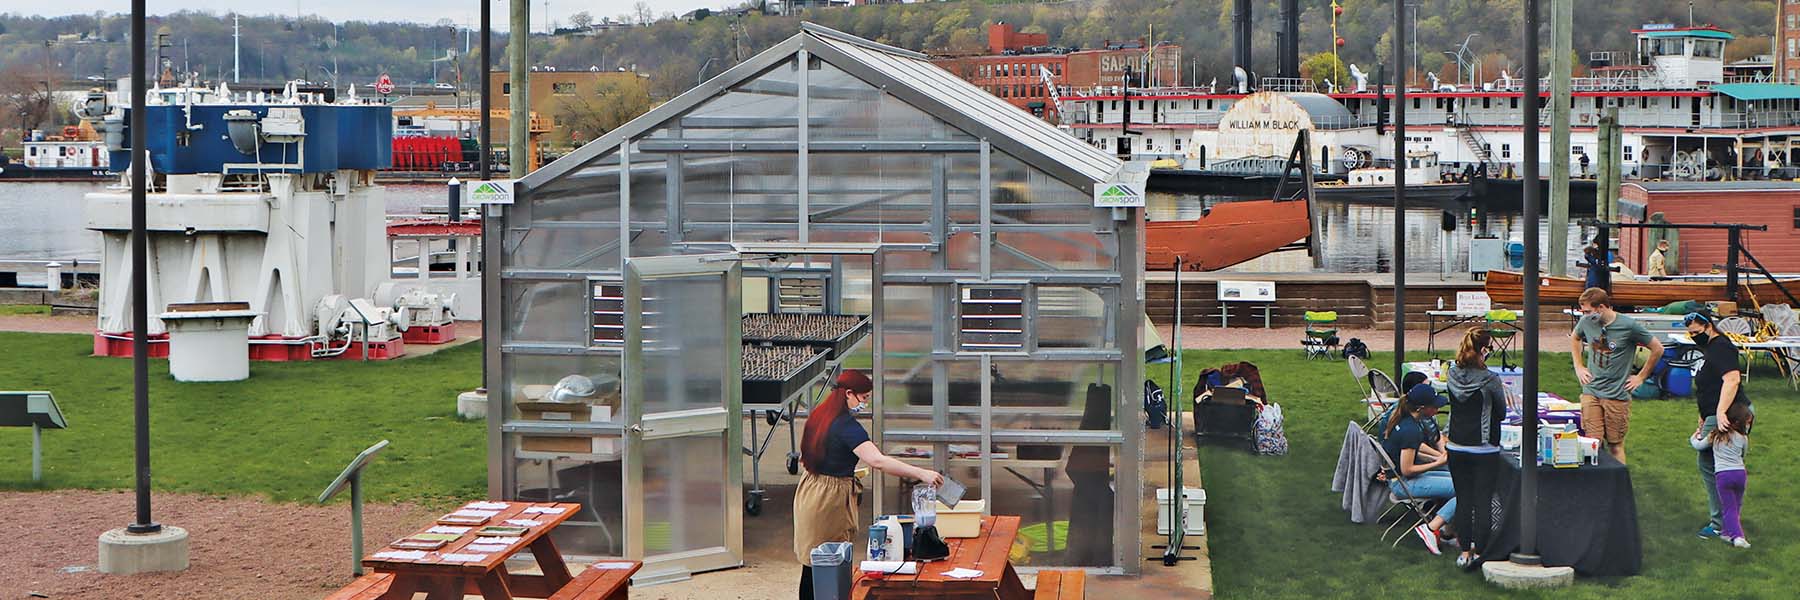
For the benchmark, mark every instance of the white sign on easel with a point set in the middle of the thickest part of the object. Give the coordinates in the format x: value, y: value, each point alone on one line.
x: 1473, y: 303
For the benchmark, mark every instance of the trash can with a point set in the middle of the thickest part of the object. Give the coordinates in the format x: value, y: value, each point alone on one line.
x: 831, y: 567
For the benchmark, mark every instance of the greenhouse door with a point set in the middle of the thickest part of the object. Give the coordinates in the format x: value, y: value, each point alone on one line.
x: 683, y: 473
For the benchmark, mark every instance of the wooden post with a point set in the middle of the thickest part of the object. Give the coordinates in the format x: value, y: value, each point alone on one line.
x: 1562, y: 16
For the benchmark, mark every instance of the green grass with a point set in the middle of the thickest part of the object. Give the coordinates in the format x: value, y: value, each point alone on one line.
x: 284, y: 433
x: 1276, y: 530
x: 24, y: 309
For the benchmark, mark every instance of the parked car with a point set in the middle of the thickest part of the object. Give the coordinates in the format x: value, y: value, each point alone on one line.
x: 444, y: 86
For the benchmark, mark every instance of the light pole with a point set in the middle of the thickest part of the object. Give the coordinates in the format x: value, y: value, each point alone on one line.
x: 701, y: 76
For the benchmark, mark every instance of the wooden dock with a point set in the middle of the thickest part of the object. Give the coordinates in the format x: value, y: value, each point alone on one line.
x: 1361, y: 300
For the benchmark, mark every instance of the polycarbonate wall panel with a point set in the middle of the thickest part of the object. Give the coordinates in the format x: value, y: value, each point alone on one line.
x: 1046, y: 251
x: 531, y: 377
x: 566, y: 248
x: 1025, y: 194
x: 597, y: 528
x: 740, y: 197
x: 1075, y: 317
x: 845, y: 108
x: 684, y: 503
x: 547, y: 312
x: 764, y: 108
x: 684, y: 336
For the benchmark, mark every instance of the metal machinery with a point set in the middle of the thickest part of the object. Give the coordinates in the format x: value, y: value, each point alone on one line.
x: 826, y: 175
x: 264, y: 197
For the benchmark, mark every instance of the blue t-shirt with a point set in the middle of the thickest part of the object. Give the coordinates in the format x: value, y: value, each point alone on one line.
x: 1409, y: 434
x: 841, y: 440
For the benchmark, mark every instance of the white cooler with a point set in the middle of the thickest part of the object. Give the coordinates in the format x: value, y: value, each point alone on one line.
x: 1195, y: 511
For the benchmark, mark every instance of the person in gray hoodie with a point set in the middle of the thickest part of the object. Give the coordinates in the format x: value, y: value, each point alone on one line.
x: 1477, y: 406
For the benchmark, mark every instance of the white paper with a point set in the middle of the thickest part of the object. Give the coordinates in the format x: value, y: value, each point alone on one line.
x: 465, y: 557
x: 890, y: 567
x: 448, y: 529
x: 486, y: 505
x: 544, y: 510
x: 485, y: 548
x: 482, y: 514
x: 502, y: 541
x: 617, y: 566
x: 961, y: 573
x: 524, y: 522
x: 401, y: 554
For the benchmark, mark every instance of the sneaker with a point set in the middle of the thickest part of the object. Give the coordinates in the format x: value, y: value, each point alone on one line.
x: 1429, y: 537
x: 1740, y: 542
x: 1709, y: 532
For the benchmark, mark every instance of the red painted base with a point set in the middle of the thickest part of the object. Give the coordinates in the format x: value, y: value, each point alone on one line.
x: 430, y: 334
x: 278, y: 352
x: 387, y: 350
x: 119, y: 345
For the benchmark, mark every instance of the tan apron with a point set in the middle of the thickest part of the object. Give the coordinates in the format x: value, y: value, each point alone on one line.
x: 824, y: 511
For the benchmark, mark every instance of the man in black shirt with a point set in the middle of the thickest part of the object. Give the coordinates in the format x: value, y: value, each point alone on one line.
x: 1717, y: 385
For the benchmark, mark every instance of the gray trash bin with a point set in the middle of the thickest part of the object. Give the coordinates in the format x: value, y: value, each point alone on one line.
x: 831, y: 567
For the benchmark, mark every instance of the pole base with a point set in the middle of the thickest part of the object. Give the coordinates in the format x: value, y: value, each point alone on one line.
x: 126, y: 553
x: 1514, y: 576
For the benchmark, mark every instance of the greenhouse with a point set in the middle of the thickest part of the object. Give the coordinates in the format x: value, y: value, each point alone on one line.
x: 854, y: 197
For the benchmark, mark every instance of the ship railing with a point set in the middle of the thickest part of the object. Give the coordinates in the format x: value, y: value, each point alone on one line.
x: 1759, y: 118
x: 1287, y: 84
x: 1757, y: 78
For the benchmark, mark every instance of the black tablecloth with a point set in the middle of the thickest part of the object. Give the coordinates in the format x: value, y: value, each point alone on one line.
x: 1587, y: 518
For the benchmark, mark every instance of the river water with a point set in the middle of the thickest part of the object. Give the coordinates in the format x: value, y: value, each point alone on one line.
x: 43, y: 221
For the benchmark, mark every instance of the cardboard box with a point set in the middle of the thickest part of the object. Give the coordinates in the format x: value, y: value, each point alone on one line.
x: 599, y: 412
x: 1725, y: 308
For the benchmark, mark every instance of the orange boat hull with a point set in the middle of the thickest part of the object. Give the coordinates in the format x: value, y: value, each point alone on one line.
x: 1230, y: 233
x: 1504, y: 287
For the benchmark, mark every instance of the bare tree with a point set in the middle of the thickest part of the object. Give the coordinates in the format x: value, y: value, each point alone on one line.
x: 581, y: 20
x: 617, y: 100
x: 25, y: 95
x: 642, y: 13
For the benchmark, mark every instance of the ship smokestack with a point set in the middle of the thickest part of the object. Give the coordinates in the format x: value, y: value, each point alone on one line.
x: 1287, y: 41
x: 1240, y: 27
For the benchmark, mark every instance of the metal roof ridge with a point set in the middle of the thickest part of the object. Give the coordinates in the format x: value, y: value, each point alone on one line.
x: 827, y: 32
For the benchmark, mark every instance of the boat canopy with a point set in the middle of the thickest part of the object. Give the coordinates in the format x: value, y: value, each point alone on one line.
x: 1759, y: 91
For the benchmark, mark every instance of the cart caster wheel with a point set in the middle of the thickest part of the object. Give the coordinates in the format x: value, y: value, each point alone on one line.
x: 793, y: 465
x: 753, y: 506
x: 773, y: 417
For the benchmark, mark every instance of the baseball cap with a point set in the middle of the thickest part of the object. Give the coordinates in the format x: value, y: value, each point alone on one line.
x: 1423, y: 396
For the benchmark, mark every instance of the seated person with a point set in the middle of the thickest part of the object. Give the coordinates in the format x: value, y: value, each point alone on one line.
x: 1403, y: 437
x: 1434, y: 438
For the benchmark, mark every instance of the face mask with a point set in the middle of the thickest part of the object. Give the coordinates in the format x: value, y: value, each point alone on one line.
x: 859, y: 409
x: 1699, y: 338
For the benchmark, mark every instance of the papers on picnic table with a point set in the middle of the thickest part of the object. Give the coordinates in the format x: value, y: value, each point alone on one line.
x: 502, y: 541
x: 961, y: 573
x: 447, y: 529
x: 485, y: 548
x: 524, y: 522
x: 454, y: 557
x: 544, y: 510
x: 477, y: 514
x: 486, y: 505
x: 400, y: 555
x: 615, y: 566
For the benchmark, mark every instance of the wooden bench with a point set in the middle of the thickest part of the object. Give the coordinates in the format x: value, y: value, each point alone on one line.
x: 1061, y: 585
x: 367, y: 587
x: 598, y: 584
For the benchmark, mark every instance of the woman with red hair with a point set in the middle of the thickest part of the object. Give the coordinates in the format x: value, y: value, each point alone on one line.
x: 833, y: 442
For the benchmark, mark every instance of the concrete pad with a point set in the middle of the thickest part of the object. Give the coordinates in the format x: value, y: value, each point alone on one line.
x: 1514, y: 576
x: 472, y: 404
x: 125, y: 553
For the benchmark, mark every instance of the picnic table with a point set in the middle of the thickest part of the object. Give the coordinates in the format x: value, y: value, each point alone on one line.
x: 465, y: 566
x: 986, y: 553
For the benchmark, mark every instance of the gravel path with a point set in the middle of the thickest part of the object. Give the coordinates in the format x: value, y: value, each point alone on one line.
x: 240, y: 548
x: 47, y: 323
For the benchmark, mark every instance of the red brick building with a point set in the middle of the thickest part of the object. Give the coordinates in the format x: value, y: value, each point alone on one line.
x: 1787, y: 40
x: 1013, y: 69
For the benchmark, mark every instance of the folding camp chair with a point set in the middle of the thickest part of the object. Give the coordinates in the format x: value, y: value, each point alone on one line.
x: 1502, y: 328
x: 1418, y: 509
x: 1373, y: 403
x: 1321, y: 334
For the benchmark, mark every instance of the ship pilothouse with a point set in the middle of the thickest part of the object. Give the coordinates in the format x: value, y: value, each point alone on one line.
x: 1684, y: 114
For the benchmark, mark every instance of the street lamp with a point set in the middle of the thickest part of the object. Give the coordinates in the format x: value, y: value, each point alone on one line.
x: 701, y: 76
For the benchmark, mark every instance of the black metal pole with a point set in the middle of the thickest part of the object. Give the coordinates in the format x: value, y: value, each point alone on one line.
x: 1603, y: 241
x: 1399, y: 190
x: 140, y: 286
x: 1734, y: 241
x: 1527, y: 554
x: 487, y: 83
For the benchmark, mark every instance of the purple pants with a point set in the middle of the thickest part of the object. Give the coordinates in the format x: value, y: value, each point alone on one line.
x: 1731, y: 496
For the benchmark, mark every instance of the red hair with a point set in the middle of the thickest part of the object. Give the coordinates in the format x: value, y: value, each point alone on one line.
x: 818, y: 422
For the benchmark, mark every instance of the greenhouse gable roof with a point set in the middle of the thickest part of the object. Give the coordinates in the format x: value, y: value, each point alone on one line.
x: 906, y: 75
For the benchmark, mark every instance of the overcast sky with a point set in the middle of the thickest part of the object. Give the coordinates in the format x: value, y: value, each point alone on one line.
x: 423, y: 11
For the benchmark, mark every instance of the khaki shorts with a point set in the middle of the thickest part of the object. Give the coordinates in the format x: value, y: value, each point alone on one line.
x: 1605, y: 419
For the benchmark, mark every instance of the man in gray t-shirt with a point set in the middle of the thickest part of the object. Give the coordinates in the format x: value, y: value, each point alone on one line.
x: 1603, y: 346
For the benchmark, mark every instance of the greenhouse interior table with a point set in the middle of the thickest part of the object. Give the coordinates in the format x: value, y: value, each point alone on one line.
x: 986, y: 553
x: 467, y: 565
x: 1586, y: 517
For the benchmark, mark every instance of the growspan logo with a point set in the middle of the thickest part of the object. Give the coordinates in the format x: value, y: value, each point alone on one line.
x: 1117, y: 195
x: 493, y: 192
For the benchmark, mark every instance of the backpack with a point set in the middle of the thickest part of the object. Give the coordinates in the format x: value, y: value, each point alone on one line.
x: 1156, y: 406
x: 1271, y: 437
x: 1356, y: 348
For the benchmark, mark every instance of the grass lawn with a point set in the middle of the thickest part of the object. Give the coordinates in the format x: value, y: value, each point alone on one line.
x: 284, y: 433
x: 1276, y: 530
x: 24, y: 309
